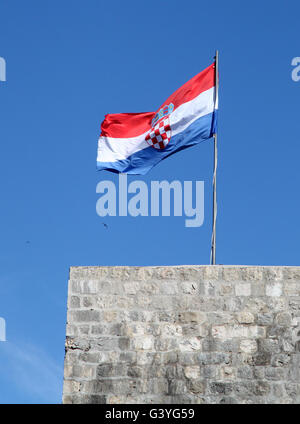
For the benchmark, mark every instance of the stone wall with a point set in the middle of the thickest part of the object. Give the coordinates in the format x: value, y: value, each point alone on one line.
x: 183, y: 334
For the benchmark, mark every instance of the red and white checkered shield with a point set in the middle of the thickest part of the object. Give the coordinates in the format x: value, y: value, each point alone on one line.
x: 159, y: 136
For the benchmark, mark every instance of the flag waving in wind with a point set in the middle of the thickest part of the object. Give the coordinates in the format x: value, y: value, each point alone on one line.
x: 135, y: 142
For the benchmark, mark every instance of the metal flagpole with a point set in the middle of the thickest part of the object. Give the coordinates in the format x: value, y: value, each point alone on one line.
x: 213, y: 239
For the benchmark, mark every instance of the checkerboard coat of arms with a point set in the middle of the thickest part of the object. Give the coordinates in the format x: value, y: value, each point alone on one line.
x: 160, y: 134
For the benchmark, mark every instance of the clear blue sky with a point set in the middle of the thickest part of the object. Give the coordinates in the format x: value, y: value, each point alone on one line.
x: 71, y: 62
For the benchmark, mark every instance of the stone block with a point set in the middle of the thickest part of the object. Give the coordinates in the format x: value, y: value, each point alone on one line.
x: 190, y: 344
x: 220, y: 388
x: 245, y: 317
x: 192, y: 372
x: 274, y: 289
x: 248, y: 346
x: 243, y: 289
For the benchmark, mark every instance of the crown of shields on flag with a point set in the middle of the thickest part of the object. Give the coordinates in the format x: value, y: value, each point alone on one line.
x: 160, y: 134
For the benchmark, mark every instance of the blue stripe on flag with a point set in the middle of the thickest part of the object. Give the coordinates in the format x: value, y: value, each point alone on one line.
x: 142, y: 161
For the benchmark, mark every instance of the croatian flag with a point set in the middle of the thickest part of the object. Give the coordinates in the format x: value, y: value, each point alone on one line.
x: 133, y: 143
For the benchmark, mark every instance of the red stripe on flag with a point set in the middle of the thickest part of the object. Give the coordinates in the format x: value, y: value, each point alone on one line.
x: 125, y: 125
x: 191, y: 89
